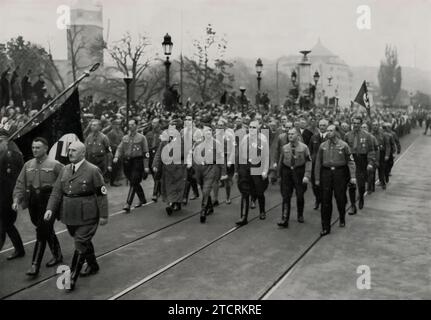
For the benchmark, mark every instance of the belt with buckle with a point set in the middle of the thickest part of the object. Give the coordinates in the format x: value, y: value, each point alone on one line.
x: 79, y: 195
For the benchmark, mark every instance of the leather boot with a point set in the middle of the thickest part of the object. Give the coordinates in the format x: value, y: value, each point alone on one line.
x: 285, y: 213
x: 228, y: 188
x: 169, y: 209
x: 186, y: 193
x: 129, y: 200
x: 195, y: 189
x: 156, y: 190
x: 55, y: 248
x: 92, y: 265
x: 352, y: 196
x: 244, y: 210
x: 209, y: 206
x: 39, y: 249
x: 77, y: 263
x: 262, y: 213
x: 141, y: 196
x: 361, y: 202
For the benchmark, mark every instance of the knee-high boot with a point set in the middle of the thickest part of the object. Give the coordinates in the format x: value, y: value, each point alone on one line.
x: 130, y: 197
x: 75, y: 270
x: 39, y: 249
x: 156, y: 190
x: 54, y: 246
x: 244, y: 210
x: 186, y: 192
x: 285, y: 214
x: 352, y: 196
x: 141, y: 195
x: 262, y: 212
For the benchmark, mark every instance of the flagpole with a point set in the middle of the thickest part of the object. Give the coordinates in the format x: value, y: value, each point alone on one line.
x: 74, y: 84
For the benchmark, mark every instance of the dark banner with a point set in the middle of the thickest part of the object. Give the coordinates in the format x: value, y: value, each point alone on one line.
x: 58, y: 124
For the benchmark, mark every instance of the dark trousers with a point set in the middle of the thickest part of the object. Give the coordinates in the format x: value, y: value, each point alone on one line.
x: 44, y: 229
x: 388, y: 167
x: 115, y: 169
x: 333, y: 183
x: 134, y: 172
x: 382, y: 168
x: 292, y: 180
x: 8, y: 218
x: 316, y: 189
x: 82, y: 236
x: 361, y: 163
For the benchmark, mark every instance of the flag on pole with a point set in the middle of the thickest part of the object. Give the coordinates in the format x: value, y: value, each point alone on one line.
x: 362, y: 97
x: 59, y: 125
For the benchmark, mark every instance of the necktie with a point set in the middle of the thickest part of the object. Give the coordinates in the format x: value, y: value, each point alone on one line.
x: 292, y: 159
x: 355, y: 142
x: 73, y: 169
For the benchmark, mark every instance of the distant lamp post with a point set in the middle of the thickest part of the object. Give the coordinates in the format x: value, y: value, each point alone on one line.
x: 167, y: 49
x: 304, y: 83
x: 128, y: 81
x: 259, y: 68
x: 293, y: 77
x: 316, y: 78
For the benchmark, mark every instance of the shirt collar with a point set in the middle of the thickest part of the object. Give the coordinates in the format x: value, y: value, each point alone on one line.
x: 77, y: 165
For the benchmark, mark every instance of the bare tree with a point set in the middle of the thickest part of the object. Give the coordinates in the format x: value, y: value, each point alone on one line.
x: 207, y: 71
x: 75, y: 45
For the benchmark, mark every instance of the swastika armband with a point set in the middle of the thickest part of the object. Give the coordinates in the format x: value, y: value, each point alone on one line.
x: 147, y: 155
x: 102, y: 191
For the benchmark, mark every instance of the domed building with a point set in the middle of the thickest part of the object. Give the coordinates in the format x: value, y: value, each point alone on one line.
x: 329, y: 65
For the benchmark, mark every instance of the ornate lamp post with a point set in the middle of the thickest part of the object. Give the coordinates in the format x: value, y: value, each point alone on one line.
x: 127, y: 81
x: 167, y: 49
x: 316, y: 78
x: 259, y: 67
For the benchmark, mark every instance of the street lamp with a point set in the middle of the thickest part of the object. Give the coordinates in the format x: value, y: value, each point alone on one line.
x: 128, y: 81
x: 293, y: 77
x: 316, y: 78
x: 167, y: 48
x: 304, y: 82
x: 259, y: 67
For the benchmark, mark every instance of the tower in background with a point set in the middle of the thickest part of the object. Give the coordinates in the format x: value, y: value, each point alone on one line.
x: 85, y: 34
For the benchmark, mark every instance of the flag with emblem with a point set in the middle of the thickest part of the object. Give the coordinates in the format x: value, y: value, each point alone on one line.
x: 362, y: 97
x: 60, y: 125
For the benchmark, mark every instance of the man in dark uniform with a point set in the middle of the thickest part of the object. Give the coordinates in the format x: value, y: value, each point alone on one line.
x: 333, y: 164
x: 187, y: 134
x: 98, y: 148
x: 295, y: 171
x: 208, y: 158
x: 171, y: 161
x: 395, y: 147
x: 115, y: 135
x: 252, y: 169
x: 11, y: 162
x: 315, y: 142
x: 153, y: 139
x: 133, y: 149
x: 384, y: 149
x: 362, y: 148
x: 80, y: 197
x: 32, y: 190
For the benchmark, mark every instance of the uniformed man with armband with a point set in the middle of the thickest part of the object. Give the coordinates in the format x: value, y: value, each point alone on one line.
x: 362, y: 148
x: 334, y: 162
x: 80, y: 197
x: 98, y: 148
x: 133, y: 149
x: 295, y: 171
x: 32, y: 190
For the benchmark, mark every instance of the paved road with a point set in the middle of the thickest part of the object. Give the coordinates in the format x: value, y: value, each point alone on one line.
x: 148, y: 255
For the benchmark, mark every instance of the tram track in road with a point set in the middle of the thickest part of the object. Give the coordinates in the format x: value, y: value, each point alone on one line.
x: 183, y: 258
x: 116, y: 249
x: 287, y: 273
